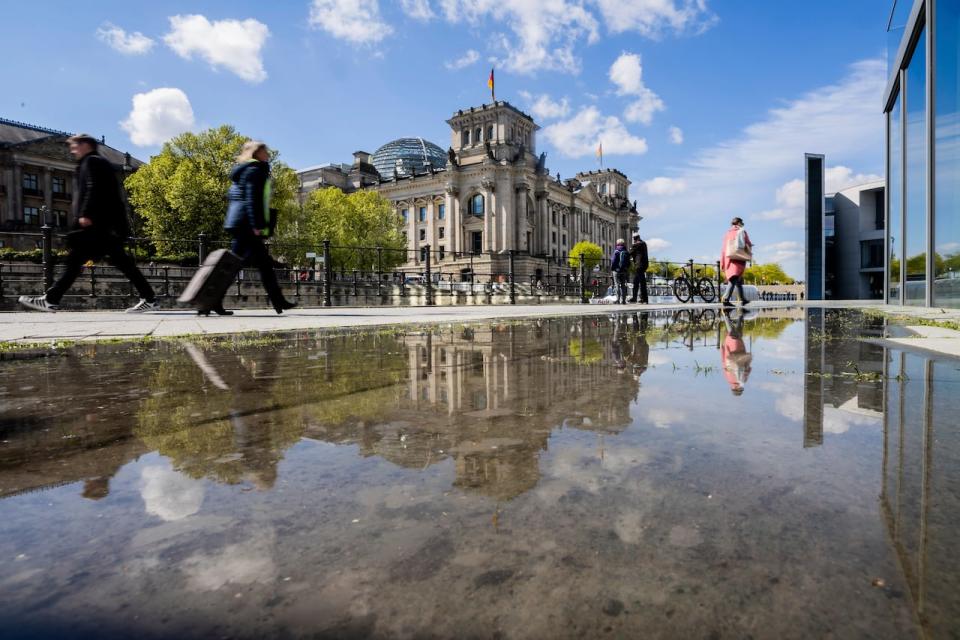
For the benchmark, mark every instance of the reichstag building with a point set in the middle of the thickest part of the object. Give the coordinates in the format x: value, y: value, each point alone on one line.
x: 488, y: 194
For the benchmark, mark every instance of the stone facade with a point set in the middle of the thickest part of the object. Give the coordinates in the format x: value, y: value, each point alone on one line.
x: 494, y: 196
x: 36, y: 171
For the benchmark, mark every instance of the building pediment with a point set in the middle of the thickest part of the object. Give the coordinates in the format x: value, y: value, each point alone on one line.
x: 51, y: 147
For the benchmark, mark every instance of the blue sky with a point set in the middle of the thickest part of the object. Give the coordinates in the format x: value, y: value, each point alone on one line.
x: 707, y: 105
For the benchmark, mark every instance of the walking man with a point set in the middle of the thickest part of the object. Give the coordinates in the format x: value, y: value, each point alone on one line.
x: 99, y: 228
x: 620, y: 265
x: 640, y: 262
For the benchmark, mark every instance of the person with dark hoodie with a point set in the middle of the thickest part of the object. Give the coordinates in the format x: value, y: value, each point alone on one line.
x: 99, y: 229
x: 620, y: 265
x: 638, y: 252
x: 250, y: 219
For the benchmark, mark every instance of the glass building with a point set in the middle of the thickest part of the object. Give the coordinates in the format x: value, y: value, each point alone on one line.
x: 922, y: 108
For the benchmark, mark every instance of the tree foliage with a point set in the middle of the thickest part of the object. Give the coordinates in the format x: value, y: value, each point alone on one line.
x: 770, y: 273
x: 355, y: 224
x: 590, y: 253
x: 182, y: 191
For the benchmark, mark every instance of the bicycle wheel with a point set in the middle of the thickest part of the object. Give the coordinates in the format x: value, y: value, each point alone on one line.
x: 681, y: 289
x: 706, y: 290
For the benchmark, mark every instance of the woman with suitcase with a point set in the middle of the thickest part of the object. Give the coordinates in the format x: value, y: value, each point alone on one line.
x: 250, y: 219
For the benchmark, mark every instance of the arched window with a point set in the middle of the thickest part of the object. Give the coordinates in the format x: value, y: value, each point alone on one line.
x: 477, y: 135
x: 465, y: 137
x: 489, y: 132
x: 476, y: 205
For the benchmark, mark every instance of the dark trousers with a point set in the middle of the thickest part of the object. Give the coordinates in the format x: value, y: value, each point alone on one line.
x: 735, y: 281
x: 640, y: 285
x: 622, y: 277
x: 254, y: 252
x: 92, y: 245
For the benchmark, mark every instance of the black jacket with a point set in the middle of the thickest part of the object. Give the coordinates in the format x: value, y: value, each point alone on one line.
x: 99, y: 197
x: 248, y: 196
x: 639, y: 254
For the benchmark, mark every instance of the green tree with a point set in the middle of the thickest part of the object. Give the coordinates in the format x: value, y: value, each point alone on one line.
x: 181, y: 191
x: 770, y: 273
x: 590, y: 253
x: 354, y: 224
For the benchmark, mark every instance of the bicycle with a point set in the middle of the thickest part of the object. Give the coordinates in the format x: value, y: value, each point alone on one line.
x: 686, y: 286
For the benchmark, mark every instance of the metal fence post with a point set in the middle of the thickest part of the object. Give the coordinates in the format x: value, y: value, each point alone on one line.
x: 513, y: 280
x: 327, y: 275
x: 202, y: 247
x: 356, y: 283
x: 583, y: 281
x: 296, y: 285
x: 47, y: 243
x: 93, y: 281
x: 166, y: 282
x: 719, y: 282
x: 379, y: 271
x: 429, y: 291
x: 1, y: 280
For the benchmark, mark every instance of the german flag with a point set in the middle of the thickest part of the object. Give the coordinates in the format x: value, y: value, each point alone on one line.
x: 493, y: 94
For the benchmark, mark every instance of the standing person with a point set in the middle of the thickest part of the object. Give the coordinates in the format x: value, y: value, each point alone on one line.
x: 620, y: 265
x: 737, y: 249
x: 640, y: 262
x: 98, y: 231
x: 250, y: 219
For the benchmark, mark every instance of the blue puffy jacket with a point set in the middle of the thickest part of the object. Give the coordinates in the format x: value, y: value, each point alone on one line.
x: 248, y: 199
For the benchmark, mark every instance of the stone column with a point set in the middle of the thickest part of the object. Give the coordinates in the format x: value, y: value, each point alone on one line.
x: 413, y: 242
x: 16, y: 203
x: 11, y: 186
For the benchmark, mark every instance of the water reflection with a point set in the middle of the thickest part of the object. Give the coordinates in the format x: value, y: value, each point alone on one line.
x: 594, y: 457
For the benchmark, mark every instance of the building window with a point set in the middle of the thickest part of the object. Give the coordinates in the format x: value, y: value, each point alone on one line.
x: 440, y: 232
x: 423, y: 234
x: 476, y: 205
x: 554, y: 237
x: 894, y: 239
x: 915, y: 150
x: 476, y: 242
x: 404, y: 213
x: 871, y: 254
x: 603, y: 189
x: 465, y: 138
x: 564, y: 243
x: 441, y: 211
x: 31, y: 215
x: 60, y: 217
x: 553, y: 216
x: 563, y: 221
x: 489, y: 132
x: 59, y: 185
x: 31, y: 182
x: 423, y: 214
x: 477, y: 133
x: 946, y: 143
x: 423, y: 254
x: 441, y: 253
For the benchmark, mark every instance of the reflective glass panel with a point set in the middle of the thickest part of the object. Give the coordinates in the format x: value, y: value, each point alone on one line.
x: 916, y: 175
x: 894, y: 239
x: 946, y: 286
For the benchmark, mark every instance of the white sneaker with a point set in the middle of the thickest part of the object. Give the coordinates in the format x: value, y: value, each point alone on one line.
x: 143, y: 306
x: 38, y: 303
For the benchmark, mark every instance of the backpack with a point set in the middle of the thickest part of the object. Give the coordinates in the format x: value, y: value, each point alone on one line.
x: 621, y: 260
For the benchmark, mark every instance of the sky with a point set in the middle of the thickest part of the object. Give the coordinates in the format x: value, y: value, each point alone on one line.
x: 707, y: 105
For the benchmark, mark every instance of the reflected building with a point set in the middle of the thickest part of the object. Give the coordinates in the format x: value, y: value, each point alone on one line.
x: 920, y: 495
x: 922, y: 110
x: 829, y: 350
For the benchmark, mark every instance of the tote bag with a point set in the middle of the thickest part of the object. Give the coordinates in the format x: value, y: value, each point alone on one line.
x: 737, y: 248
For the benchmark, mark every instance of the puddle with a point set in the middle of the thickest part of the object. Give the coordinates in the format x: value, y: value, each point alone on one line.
x: 638, y: 475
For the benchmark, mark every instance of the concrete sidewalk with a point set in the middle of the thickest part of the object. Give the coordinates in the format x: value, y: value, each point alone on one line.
x: 100, y: 325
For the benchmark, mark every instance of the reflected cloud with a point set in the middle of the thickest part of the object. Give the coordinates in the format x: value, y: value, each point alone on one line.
x: 246, y: 562
x: 170, y: 495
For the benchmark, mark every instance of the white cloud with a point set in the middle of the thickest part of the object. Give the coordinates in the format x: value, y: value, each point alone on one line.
x: 779, y: 252
x: 741, y: 175
x: 157, y: 116
x: 791, y: 196
x: 676, y: 135
x: 839, y: 178
x: 544, y: 107
x: 235, y: 45
x: 580, y: 135
x: 417, y: 9
x: 662, y: 186
x: 544, y: 32
x: 653, y: 18
x: 356, y: 21
x: 467, y: 59
x: 131, y: 44
x: 626, y: 73
x: 657, y: 244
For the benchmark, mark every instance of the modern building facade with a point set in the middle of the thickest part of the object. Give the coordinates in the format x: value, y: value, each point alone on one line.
x: 37, y: 171
x: 488, y: 195
x: 845, y: 238
x: 922, y: 108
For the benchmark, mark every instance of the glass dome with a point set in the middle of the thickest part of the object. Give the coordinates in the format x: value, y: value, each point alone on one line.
x: 406, y: 155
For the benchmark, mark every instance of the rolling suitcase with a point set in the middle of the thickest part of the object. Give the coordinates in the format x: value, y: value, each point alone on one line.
x: 211, y: 281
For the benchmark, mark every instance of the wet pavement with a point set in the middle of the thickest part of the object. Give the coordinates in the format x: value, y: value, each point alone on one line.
x: 783, y: 474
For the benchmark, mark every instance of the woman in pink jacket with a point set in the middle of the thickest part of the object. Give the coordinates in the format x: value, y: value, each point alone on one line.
x: 734, y: 267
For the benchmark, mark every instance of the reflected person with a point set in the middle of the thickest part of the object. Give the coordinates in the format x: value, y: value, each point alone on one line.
x: 734, y: 356
x: 640, y: 353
